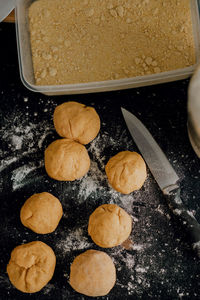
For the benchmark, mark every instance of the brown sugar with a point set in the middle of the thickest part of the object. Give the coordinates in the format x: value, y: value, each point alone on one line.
x: 77, y: 41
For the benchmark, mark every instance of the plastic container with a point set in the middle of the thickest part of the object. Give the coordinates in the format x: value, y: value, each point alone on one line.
x: 193, y: 108
x: 26, y: 67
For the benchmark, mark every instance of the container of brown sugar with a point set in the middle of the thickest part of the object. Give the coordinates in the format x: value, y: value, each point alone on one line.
x: 71, y: 47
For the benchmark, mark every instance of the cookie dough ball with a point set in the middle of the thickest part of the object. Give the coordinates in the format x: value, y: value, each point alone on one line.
x: 76, y: 121
x: 109, y: 225
x: 93, y: 273
x: 41, y: 213
x: 126, y: 171
x: 31, y: 266
x: 66, y: 160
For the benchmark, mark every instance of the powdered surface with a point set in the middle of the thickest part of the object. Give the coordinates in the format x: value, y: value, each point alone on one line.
x: 149, y: 262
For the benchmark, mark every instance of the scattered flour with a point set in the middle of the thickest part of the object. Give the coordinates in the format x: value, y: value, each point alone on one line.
x: 17, y: 141
x: 91, y: 182
x: 137, y: 247
x: 140, y: 270
x: 4, y: 281
x: 135, y: 264
x: 22, y: 141
x: 48, y: 288
x: 129, y: 261
x: 75, y: 240
x: 19, y: 175
x: 7, y: 162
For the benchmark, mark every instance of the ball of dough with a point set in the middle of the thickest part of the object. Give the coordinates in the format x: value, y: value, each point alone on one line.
x: 93, y: 273
x: 66, y: 160
x: 76, y: 121
x: 126, y: 171
x: 31, y: 266
x: 41, y: 213
x: 109, y: 225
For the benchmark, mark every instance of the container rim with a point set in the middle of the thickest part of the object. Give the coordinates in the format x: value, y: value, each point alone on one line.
x: 112, y: 84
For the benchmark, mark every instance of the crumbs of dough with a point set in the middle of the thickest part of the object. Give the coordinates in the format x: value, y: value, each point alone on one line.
x: 83, y: 41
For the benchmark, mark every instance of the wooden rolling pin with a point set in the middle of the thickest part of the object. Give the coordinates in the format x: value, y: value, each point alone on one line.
x: 10, y: 18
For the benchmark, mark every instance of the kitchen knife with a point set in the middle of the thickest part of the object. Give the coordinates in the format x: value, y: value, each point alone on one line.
x: 6, y: 6
x: 164, y: 174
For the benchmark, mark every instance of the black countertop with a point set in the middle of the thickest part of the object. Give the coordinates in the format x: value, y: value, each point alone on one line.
x: 159, y: 264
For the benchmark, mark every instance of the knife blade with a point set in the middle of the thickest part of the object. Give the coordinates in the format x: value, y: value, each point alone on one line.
x: 164, y: 175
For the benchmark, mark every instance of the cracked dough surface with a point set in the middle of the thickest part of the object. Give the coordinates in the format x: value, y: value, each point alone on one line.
x: 109, y: 225
x: 76, y: 121
x: 92, y: 273
x: 66, y: 160
x: 126, y: 171
x: 31, y: 266
x: 41, y: 213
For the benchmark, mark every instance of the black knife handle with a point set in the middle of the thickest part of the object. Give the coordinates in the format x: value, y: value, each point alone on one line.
x: 189, y: 222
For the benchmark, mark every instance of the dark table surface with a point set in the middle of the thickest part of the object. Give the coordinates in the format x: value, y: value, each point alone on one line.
x: 159, y: 262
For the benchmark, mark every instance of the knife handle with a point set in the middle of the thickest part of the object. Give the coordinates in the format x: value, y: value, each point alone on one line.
x: 190, y: 223
x: 10, y: 18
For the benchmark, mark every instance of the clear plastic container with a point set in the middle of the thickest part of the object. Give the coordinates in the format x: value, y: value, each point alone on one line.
x: 26, y: 66
x: 193, y: 108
